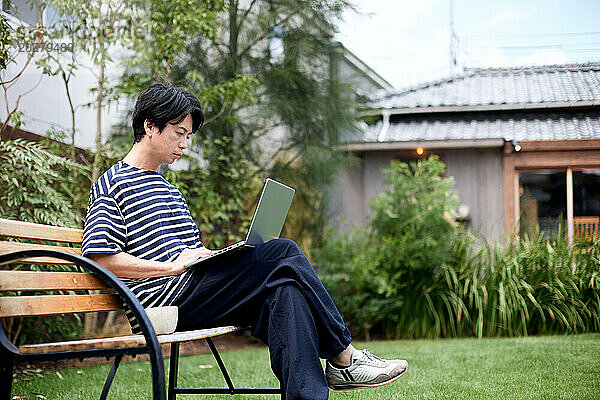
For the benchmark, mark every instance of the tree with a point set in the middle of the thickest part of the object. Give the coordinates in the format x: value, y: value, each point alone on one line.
x: 47, y: 47
x: 5, y: 31
x: 96, y: 27
x: 289, y: 131
x: 65, y: 67
x: 148, y: 32
x: 22, y: 39
x: 217, y: 192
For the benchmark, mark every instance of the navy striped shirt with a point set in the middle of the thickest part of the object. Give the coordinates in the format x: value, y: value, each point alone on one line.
x: 138, y: 212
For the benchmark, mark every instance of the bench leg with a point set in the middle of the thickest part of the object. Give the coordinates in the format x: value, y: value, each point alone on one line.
x: 173, y: 371
x: 213, y: 349
x: 110, y: 377
x: 6, y: 378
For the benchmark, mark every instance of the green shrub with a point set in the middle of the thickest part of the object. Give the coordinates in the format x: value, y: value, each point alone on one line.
x: 45, y: 329
x: 34, y: 187
x: 414, y: 273
x: 346, y: 269
x: 411, y: 222
x: 396, y: 275
x: 39, y: 185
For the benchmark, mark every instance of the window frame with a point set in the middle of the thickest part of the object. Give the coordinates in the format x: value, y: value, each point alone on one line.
x: 569, y: 195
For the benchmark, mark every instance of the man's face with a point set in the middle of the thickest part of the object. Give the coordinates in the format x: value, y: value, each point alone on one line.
x: 169, y: 144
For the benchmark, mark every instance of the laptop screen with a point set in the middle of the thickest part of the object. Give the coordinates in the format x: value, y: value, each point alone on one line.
x: 270, y: 214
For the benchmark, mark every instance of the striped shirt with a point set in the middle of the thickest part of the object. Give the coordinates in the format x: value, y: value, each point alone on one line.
x: 138, y: 212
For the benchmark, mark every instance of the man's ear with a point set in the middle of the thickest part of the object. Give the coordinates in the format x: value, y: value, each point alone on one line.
x: 149, y: 128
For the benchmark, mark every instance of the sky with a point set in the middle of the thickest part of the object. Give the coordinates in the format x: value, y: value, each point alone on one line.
x: 407, y: 42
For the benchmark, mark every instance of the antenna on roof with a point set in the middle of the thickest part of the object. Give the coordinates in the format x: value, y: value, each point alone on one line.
x: 453, y: 41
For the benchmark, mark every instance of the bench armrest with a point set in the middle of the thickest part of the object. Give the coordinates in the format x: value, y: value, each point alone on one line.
x: 108, y: 277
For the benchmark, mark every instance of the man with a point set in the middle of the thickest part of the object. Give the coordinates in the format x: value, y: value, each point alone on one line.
x: 138, y: 226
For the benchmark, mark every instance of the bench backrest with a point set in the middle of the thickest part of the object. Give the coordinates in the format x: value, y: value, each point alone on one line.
x: 34, y: 281
x: 586, y: 228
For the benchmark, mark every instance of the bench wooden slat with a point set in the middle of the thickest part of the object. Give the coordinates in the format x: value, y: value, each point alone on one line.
x: 124, y: 341
x: 9, y: 247
x: 29, y: 230
x: 21, y: 306
x: 35, y: 280
x: 188, y: 336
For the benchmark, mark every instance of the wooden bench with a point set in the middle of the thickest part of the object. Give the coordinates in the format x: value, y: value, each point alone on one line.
x: 20, y: 297
x: 586, y: 228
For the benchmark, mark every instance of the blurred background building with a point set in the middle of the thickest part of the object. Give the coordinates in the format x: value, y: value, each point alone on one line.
x: 523, y: 145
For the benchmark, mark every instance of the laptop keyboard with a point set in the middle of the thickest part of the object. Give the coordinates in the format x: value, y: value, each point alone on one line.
x: 238, y: 245
x: 228, y: 248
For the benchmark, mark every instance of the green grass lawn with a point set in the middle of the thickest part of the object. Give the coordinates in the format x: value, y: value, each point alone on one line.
x: 548, y: 367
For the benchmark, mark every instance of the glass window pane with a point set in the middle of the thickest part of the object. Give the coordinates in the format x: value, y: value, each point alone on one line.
x: 586, y: 203
x: 543, y: 201
x: 26, y: 10
x: 586, y: 193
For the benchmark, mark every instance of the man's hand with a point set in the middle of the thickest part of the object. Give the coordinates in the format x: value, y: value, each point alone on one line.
x: 187, y: 256
x: 127, y: 266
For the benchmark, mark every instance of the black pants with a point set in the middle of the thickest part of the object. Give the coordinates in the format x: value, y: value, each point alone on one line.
x: 274, y: 289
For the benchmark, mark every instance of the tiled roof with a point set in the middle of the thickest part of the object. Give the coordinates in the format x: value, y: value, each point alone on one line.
x: 500, y: 86
x: 518, y: 126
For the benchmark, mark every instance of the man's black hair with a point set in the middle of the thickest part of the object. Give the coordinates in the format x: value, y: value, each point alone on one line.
x: 160, y: 104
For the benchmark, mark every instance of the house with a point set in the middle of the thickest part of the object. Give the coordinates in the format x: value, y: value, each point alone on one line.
x: 523, y: 145
x: 43, y: 99
x: 350, y: 69
x: 44, y: 104
x: 343, y: 67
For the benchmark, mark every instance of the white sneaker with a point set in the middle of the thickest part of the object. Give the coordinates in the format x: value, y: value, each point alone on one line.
x: 365, y: 371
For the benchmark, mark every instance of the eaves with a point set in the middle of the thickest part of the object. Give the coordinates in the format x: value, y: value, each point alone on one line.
x: 430, y: 144
x: 482, y: 108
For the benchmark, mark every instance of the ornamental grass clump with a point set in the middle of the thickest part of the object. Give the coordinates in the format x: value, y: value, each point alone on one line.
x: 554, y: 297
x: 533, y: 286
x: 587, y: 278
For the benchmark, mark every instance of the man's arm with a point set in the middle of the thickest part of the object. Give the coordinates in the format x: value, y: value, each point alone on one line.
x: 127, y: 266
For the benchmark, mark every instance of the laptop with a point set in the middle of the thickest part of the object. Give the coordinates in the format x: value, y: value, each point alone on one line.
x: 267, y: 223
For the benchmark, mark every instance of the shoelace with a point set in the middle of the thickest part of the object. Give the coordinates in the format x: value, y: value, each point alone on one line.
x: 372, y: 357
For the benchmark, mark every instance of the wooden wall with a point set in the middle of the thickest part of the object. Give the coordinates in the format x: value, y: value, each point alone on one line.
x: 478, y: 174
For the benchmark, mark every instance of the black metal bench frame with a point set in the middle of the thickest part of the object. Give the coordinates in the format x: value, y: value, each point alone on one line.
x: 10, y: 354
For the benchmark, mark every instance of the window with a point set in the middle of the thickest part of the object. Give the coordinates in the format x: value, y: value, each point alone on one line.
x: 551, y: 200
x: 543, y: 201
x: 27, y: 11
x: 586, y: 204
x: 586, y: 193
x: 31, y: 11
